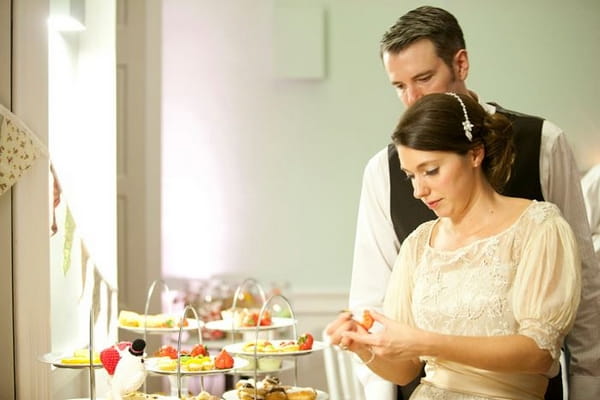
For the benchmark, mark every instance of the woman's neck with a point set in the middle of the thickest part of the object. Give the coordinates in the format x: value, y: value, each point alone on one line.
x: 481, y: 217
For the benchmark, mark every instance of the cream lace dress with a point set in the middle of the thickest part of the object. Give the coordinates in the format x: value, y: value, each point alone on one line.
x: 524, y: 280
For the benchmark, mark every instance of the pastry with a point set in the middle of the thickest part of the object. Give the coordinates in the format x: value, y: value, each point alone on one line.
x: 248, y: 391
x: 140, y: 396
x: 276, y: 393
x: 129, y: 318
x: 301, y: 393
x: 270, y: 382
x: 133, y: 319
x: 203, y: 396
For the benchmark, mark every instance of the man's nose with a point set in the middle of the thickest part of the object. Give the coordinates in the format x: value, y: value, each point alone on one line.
x: 411, y: 95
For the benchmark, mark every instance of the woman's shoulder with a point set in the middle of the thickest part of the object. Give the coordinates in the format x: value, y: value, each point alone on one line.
x: 421, y: 232
x: 541, y: 216
x: 541, y: 211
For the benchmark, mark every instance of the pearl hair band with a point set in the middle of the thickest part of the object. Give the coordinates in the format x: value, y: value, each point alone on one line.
x: 467, y: 125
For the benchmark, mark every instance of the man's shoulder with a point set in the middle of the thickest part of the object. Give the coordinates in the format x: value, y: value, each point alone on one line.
x: 550, y: 131
x: 510, y: 112
x: 379, y: 159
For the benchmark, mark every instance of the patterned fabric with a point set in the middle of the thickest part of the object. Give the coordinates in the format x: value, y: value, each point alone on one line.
x: 523, y: 280
x: 19, y: 148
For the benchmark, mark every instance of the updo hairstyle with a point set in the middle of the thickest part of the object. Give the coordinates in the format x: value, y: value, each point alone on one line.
x: 435, y: 123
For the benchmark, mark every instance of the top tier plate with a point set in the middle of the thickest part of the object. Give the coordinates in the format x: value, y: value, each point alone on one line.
x: 228, y: 326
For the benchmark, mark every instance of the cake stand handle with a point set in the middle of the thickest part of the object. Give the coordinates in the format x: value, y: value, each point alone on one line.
x: 248, y: 282
x: 185, y: 310
x: 264, y: 307
x: 91, y: 350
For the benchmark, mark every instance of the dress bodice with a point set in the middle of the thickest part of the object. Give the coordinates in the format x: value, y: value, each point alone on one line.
x: 523, y: 280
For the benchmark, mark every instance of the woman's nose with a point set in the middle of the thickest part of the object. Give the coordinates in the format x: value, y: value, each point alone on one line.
x: 419, y: 188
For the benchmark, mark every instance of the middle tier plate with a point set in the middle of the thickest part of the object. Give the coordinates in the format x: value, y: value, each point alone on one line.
x: 193, y: 324
x: 241, y: 349
x: 152, y: 365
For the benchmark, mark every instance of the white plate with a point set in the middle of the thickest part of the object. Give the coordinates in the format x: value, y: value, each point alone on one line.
x: 285, y: 366
x: 55, y: 359
x: 151, y: 366
x: 232, y: 395
x: 237, y: 348
x: 149, y: 397
x: 192, y: 324
x: 227, y: 325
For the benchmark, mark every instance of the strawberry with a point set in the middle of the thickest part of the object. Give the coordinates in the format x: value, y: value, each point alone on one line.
x: 199, y: 350
x: 167, y: 351
x: 367, y: 320
x: 305, y: 342
x: 266, y: 318
x: 223, y: 360
x: 110, y: 358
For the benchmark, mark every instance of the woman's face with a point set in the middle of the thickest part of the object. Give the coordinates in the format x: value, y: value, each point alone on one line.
x: 444, y: 181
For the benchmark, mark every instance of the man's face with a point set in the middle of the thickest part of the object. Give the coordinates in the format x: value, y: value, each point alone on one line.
x: 418, y: 70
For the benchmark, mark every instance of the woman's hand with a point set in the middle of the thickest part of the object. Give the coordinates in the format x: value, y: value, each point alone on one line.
x: 393, y: 341
x: 336, y: 329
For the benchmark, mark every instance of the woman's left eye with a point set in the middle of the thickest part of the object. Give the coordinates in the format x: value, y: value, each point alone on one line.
x: 432, y: 171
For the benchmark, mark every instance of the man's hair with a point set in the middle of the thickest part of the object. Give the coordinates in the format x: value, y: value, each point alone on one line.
x: 425, y: 22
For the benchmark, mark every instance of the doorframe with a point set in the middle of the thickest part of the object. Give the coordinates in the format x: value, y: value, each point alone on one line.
x: 7, y: 366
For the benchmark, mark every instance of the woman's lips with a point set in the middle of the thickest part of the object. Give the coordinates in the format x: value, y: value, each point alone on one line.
x: 433, y: 204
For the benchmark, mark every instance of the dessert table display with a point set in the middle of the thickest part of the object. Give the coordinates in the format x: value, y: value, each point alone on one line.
x: 256, y: 356
x: 267, y: 353
x: 175, y: 362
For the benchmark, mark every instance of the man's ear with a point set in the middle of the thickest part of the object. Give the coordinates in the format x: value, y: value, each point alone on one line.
x: 461, y: 64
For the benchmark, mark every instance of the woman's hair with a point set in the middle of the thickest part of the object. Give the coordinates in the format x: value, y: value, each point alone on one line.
x: 436, y: 122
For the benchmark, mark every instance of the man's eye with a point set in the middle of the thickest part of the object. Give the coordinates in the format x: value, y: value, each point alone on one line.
x: 424, y: 78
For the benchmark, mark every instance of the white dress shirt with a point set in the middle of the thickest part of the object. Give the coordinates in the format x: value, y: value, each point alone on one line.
x: 376, y: 249
x: 591, y: 195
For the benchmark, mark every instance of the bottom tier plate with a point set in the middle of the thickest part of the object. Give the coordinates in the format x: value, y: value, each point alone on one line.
x: 232, y: 395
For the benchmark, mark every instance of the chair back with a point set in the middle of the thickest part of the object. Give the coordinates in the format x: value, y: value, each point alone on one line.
x: 342, y: 381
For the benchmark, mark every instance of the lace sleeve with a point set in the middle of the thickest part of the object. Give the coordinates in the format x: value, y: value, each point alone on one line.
x: 398, y: 298
x: 547, y: 282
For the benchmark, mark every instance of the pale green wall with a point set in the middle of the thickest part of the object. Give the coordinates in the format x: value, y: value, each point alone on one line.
x: 262, y: 175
